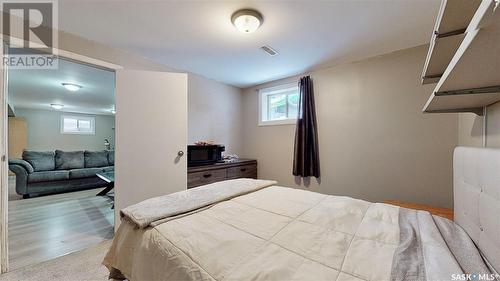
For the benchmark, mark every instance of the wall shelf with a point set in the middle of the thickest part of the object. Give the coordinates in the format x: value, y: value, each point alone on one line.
x: 472, y: 78
x: 441, y: 52
x: 452, y: 22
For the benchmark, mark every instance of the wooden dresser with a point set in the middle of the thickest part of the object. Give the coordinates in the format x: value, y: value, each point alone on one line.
x: 242, y: 168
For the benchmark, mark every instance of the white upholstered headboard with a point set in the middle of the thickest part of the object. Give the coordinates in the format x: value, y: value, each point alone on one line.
x: 476, y: 188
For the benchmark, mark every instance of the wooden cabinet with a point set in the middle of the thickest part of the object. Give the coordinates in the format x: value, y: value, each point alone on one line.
x: 18, y: 137
x: 206, y: 177
x: 201, y: 175
x: 244, y: 171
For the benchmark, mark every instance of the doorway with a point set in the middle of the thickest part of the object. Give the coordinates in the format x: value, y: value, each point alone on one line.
x: 151, y: 129
x: 61, y: 135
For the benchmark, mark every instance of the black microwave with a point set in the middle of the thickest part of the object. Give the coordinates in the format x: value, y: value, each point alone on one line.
x: 204, y: 154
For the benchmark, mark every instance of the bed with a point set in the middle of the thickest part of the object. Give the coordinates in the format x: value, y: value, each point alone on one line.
x: 248, y: 229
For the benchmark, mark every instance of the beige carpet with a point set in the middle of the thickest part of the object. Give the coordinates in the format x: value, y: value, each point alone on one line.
x: 79, y: 266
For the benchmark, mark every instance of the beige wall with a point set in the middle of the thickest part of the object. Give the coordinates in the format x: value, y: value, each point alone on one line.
x: 493, y: 126
x: 214, y: 113
x: 44, y: 131
x: 95, y: 50
x: 471, y: 128
x: 375, y: 143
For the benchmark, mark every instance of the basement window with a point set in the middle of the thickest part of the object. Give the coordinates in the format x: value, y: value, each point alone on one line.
x: 279, y: 105
x: 83, y: 125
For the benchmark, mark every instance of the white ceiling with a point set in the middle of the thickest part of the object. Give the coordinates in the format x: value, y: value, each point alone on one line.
x: 39, y: 88
x: 197, y: 36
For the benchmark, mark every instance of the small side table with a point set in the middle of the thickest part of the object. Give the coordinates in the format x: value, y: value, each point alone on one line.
x: 109, y: 178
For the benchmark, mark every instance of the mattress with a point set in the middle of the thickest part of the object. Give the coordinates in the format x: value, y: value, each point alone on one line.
x: 280, y: 233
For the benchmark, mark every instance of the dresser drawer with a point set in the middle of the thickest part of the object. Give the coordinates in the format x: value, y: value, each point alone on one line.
x: 245, y: 171
x: 206, y: 177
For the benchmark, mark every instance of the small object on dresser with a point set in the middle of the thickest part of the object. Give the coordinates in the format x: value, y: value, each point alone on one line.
x: 206, y: 142
x: 228, y: 157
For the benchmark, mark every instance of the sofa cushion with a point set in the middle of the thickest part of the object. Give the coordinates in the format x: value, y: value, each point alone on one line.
x: 108, y: 168
x: 48, y: 176
x: 111, y: 157
x: 66, y: 160
x: 96, y: 159
x: 84, y: 173
x: 40, y: 160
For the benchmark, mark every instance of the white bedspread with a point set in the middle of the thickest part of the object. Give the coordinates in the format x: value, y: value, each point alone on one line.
x: 277, y: 233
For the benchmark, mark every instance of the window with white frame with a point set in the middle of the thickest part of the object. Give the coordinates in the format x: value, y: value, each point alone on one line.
x: 279, y: 105
x: 71, y: 124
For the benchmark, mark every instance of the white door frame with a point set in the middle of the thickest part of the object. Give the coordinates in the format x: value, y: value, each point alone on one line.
x: 4, y: 170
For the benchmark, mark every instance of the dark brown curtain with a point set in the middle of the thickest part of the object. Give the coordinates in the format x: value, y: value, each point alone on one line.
x: 306, y: 151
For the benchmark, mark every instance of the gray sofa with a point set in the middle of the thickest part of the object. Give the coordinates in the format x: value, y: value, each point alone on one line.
x: 48, y: 172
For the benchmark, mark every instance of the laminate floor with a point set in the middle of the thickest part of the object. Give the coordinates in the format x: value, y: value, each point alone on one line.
x: 46, y: 227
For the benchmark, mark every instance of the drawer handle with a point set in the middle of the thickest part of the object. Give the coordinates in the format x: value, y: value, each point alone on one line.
x: 243, y: 169
x: 207, y: 175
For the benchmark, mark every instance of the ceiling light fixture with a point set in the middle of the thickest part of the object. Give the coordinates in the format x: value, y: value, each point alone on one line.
x: 56, y: 106
x: 247, y: 20
x: 71, y: 87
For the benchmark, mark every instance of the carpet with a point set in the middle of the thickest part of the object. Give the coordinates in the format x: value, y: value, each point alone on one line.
x: 78, y: 266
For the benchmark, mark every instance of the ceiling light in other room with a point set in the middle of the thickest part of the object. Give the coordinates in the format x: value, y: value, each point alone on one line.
x: 247, y: 20
x: 56, y: 106
x: 71, y: 87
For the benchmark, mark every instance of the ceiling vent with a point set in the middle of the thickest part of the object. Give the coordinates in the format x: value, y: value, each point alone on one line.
x: 270, y: 51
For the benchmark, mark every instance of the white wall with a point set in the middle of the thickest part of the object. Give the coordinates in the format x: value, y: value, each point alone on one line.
x: 44, y: 132
x: 375, y: 143
x: 214, y: 113
x: 471, y: 128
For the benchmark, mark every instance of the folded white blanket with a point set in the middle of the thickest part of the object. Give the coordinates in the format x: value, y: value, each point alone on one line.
x: 149, y: 211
